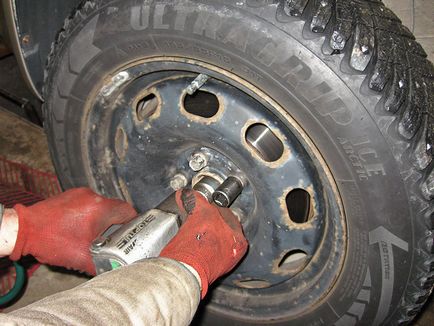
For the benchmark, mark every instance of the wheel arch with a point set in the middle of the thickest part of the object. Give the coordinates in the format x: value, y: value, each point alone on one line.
x: 31, y: 43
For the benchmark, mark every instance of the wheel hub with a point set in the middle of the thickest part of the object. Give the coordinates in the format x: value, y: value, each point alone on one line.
x: 162, y: 138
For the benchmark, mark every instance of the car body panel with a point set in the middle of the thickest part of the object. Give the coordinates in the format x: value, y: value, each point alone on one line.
x: 32, y: 27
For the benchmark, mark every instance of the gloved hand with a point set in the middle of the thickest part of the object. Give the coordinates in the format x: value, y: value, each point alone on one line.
x: 59, y: 230
x: 211, y: 240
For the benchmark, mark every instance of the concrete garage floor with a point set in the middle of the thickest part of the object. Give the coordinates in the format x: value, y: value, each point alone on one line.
x: 24, y: 142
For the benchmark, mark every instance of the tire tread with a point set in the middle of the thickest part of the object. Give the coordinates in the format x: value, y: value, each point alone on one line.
x: 396, y: 65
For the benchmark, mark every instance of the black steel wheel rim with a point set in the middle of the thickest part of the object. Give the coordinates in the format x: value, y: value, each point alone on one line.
x: 143, y: 127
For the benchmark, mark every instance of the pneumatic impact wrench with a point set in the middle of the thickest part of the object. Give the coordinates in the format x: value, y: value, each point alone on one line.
x: 147, y: 234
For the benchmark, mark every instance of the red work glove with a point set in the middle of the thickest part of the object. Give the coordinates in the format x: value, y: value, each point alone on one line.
x: 211, y: 240
x: 59, y: 230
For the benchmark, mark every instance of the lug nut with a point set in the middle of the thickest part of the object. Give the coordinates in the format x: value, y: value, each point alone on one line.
x: 178, y: 181
x: 198, y: 161
x: 227, y: 192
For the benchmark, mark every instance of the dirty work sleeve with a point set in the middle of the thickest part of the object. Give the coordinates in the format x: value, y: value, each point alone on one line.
x: 157, y: 291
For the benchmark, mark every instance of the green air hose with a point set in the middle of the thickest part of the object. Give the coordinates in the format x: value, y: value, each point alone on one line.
x: 20, y: 279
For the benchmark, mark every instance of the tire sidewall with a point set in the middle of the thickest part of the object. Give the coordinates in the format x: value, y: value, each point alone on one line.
x: 340, y: 121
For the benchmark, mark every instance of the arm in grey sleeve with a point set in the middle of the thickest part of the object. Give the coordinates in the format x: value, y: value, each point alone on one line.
x: 156, y: 291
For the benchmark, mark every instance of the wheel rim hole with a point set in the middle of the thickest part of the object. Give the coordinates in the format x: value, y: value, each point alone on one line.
x: 202, y: 104
x: 121, y: 143
x: 253, y: 283
x: 264, y: 142
x: 298, y: 204
x: 147, y: 106
x: 293, y: 260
